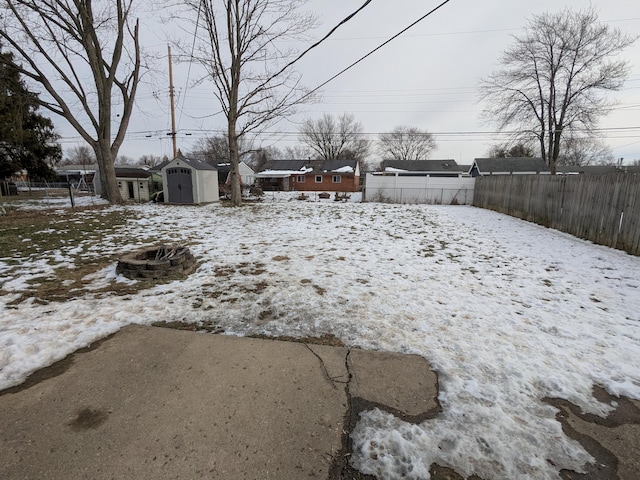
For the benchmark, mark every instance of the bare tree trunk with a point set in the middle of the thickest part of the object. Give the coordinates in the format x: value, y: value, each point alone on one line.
x: 108, y: 184
x: 243, y: 53
x: 76, y: 39
x: 234, y: 162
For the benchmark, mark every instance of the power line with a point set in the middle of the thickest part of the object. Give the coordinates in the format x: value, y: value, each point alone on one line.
x: 308, y: 94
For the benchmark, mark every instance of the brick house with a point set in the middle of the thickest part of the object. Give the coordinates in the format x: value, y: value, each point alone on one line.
x: 310, y: 176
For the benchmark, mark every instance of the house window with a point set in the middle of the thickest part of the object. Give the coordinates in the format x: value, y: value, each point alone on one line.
x: 300, y: 179
x: 141, y: 185
x: 119, y: 184
x: 337, y: 179
x: 318, y: 178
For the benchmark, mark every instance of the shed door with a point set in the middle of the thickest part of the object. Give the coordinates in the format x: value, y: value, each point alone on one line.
x: 179, y: 185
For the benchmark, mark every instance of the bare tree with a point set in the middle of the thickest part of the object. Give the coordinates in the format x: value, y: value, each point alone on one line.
x: 151, y: 160
x: 215, y: 149
x: 585, y: 151
x: 406, y: 143
x: 332, y: 138
x: 516, y: 150
x: 124, y: 160
x: 85, y: 55
x: 80, y: 155
x: 554, y: 78
x: 243, y: 47
x: 296, y: 152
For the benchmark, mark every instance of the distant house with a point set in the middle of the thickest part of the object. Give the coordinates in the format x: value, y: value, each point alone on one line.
x: 310, y: 175
x: 508, y: 166
x: 246, y: 173
x: 434, y: 168
x: 596, y: 169
x: 189, y: 181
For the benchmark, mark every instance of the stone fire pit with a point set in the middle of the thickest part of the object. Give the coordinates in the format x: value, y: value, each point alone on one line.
x: 165, y: 262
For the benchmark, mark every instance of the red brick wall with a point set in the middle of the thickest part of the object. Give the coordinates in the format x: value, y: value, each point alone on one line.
x: 348, y: 183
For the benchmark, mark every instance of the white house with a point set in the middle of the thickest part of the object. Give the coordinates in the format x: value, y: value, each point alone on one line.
x: 245, y: 171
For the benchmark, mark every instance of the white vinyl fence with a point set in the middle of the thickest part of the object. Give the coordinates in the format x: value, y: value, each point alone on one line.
x: 415, y: 188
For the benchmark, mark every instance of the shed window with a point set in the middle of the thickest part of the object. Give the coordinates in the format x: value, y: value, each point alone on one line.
x: 318, y: 178
x: 337, y: 179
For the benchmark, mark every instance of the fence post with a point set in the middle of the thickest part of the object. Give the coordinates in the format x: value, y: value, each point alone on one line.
x: 73, y: 205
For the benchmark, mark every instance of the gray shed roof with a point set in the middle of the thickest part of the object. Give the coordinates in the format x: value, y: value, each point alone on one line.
x: 446, y: 165
x: 196, y: 163
x: 132, y: 172
x: 510, y: 164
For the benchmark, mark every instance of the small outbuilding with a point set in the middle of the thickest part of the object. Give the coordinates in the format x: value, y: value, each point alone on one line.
x: 189, y: 181
x: 134, y: 183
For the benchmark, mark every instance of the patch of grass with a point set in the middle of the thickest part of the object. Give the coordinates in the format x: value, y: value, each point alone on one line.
x: 33, y: 235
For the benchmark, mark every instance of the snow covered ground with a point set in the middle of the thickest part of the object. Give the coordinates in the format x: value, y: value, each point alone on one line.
x: 507, y: 313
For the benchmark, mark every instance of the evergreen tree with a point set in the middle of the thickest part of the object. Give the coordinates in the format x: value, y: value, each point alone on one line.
x: 27, y: 139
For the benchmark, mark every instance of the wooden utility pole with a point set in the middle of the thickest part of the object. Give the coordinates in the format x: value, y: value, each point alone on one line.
x: 173, y: 108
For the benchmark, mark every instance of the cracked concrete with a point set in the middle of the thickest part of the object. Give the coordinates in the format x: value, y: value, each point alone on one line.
x: 157, y: 403
x: 150, y: 403
x: 613, y: 441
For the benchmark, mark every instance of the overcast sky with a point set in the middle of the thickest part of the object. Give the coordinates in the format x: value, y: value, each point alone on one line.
x: 427, y: 78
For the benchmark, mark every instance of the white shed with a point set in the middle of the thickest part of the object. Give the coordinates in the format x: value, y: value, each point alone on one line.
x: 189, y: 181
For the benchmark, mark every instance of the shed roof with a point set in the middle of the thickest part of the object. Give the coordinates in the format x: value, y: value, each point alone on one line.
x: 194, y: 163
x: 446, y: 165
x: 132, y: 172
x: 510, y: 164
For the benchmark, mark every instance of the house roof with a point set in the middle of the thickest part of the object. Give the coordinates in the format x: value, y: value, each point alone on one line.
x: 342, y: 165
x: 308, y: 166
x: 597, y: 169
x: 132, y: 172
x: 422, y: 166
x: 226, y: 167
x: 159, y: 167
x: 90, y: 167
x: 292, y: 165
x: 510, y: 164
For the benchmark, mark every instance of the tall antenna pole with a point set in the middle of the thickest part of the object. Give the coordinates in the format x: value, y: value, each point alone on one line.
x: 173, y: 108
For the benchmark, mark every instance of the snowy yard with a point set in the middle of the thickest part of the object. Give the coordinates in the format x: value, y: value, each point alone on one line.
x: 506, y: 312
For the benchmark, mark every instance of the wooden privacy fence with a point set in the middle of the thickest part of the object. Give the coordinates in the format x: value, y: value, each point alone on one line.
x: 604, y: 209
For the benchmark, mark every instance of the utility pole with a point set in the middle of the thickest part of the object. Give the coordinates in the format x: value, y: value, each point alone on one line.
x: 173, y: 108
